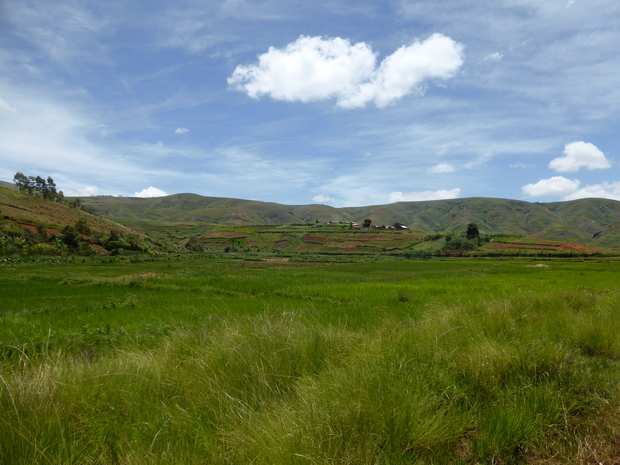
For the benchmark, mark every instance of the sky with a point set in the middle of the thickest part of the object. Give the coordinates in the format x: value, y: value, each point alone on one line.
x: 337, y: 102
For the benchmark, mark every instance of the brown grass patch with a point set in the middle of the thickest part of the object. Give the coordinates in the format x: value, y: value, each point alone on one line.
x: 139, y: 276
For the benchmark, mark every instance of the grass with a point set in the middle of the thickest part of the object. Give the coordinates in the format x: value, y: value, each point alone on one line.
x: 294, y: 363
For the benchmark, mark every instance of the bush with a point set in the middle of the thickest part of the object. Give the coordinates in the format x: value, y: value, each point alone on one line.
x: 70, y: 237
x: 43, y: 249
x: 460, y: 243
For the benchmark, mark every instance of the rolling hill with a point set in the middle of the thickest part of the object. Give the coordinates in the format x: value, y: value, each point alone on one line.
x: 36, y: 220
x: 594, y: 222
x: 222, y: 222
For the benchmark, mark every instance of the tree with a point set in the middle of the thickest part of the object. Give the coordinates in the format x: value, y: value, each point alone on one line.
x: 472, y: 231
x: 41, y: 185
x: 367, y: 222
x: 70, y: 237
x: 38, y: 186
x: 194, y: 245
x: 81, y: 226
x: 22, y: 182
x: 50, y: 191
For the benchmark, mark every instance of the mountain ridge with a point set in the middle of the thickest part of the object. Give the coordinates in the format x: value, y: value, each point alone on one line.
x: 592, y: 222
x: 587, y: 221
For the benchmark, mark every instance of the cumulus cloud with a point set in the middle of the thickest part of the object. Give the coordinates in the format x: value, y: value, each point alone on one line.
x: 442, y: 168
x: 323, y: 199
x: 181, y: 131
x: 497, y: 56
x: 150, y: 192
x: 425, y: 195
x: 570, y: 189
x: 557, y: 185
x: 604, y: 190
x: 580, y: 154
x: 317, y: 68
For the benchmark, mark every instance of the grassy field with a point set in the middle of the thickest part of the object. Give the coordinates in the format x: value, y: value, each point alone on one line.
x: 229, y: 362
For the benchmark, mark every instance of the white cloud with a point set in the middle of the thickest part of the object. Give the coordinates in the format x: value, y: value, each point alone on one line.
x: 497, y: 56
x: 602, y: 191
x: 181, y: 131
x: 6, y: 106
x: 311, y: 68
x: 62, y: 142
x: 150, y: 192
x: 425, y: 195
x: 557, y: 185
x: 63, y: 30
x: 569, y: 189
x: 442, y: 168
x: 316, y: 68
x: 521, y: 165
x: 323, y: 199
x: 577, y: 155
x: 86, y: 191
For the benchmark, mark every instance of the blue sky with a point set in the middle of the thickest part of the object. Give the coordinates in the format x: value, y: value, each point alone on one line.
x: 340, y: 102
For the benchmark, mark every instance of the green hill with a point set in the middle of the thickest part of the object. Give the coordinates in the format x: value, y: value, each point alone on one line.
x: 30, y: 222
x: 213, y: 222
x: 585, y: 221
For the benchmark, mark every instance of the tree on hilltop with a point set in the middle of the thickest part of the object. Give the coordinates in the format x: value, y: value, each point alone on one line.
x: 37, y: 186
x: 22, y: 182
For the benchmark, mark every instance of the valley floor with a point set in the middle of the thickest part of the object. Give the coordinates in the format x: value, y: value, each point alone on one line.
x: 193, y: 360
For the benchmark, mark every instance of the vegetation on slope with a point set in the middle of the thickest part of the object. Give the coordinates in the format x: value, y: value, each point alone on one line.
x: 32, y: 225
x: 192, y: 223
x: 586, y: 221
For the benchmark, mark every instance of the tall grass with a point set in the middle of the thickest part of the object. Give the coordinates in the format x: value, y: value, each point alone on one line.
x: 273, y: 374
x: 461, y: 384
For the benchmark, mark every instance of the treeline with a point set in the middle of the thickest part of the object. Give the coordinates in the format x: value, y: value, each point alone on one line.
x: 37, y: 186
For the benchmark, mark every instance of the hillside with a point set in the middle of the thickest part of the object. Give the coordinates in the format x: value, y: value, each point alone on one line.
x: 30, y: 221
x: 196, y: 223
x: 593, y: 222
x: 8, y: 185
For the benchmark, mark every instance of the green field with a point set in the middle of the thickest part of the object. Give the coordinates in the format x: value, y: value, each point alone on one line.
x: 192, y: 360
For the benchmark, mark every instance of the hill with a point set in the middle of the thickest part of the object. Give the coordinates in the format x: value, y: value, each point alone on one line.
x: 594, y: 222
x: 30, y: 221
x: 8, y: 185
x: 195, y: 223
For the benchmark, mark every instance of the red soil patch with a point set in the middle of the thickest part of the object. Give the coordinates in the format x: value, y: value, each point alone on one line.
x: 100, y: 250
x: 31, y: 228
x: 311, y: 238
x: 542, y: 247
x: 580, y: 248
x: 520, y: 245
x: 346, y: 245
x: 225, y: 235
